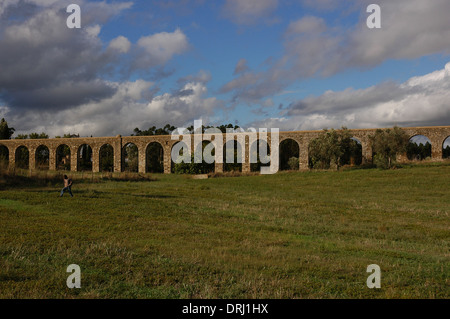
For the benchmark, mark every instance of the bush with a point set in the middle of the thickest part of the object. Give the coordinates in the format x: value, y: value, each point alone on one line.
x: 193, y: 168
x: 293, y: 163
x: 381, y: 161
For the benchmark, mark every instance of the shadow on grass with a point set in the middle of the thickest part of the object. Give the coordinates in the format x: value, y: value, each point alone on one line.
x: 96, y: 194
x: 24, y: 179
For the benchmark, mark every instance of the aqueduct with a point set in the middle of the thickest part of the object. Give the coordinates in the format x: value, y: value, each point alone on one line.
x: 437, y: 135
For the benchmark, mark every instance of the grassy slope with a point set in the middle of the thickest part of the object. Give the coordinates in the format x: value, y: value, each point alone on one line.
x: 290, y: 235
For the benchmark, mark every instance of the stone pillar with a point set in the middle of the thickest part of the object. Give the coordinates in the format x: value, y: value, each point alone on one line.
x: 436, y: 149
x: 246, y: 164
x: 95, y: 159
x: 303, y: 157
x: 73, y: 159
x: 118, y: 154
x: 141, y: 159
x: 51, y: 159
x: 167, y: 160
x: 31, y: 159
x: 218, y: 167
x: 12, y: 158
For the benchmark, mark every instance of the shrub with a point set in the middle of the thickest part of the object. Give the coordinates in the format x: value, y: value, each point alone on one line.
x: 293, y: 163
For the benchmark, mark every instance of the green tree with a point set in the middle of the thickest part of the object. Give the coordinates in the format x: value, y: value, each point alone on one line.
x: 5, y: 131
x: 130, y: 158
x: 332, y: 148
x: 386, y: 144
x: 38, y: 136
x: 420, y: 152
x: 446, y: 152
x: 106, y: 158
x: 166, y: 130
x: 155, y: 158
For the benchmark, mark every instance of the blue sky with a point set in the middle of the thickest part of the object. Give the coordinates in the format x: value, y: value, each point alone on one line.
x: 293, y: 64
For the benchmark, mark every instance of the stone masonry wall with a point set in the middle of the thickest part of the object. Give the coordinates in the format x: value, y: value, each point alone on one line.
x: 437, y: 136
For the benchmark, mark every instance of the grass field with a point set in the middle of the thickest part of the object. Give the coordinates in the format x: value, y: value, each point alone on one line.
x: 289, y: 235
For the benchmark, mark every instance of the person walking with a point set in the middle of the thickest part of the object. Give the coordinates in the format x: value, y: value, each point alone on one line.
x: 67, y: 186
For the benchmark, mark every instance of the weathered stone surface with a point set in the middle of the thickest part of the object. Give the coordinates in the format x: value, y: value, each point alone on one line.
x: 436, y: 134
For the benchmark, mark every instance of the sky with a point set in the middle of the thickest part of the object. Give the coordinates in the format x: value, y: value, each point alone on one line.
x: 287, y: 64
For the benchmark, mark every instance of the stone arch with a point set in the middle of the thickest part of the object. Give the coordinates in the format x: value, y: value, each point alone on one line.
x: 233, y: 163
x: 353, y: 152
x: 154, y: 158
x: 63, y: 157
x: 42, y: 157
x: 180, y: 155
x: 4, y: 157
x: 446, y: 147
x: 85, y: 158
x: 204, y: 167
x: 130, y: 158
x: 261, y: 158
x: 22, y: 157
x: 106, y: 158
x: 288, y: 149
x: 419, y: 148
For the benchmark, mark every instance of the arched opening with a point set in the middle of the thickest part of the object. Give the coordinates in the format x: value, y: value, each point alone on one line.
x: 289, y: 155
x: 204, y: 167
x: 180, y: 152
x: 42, y: 157
x: 352, y: 152
x: 4, y: 157
x: 22, y: 157
x: 259, y: 151
x: 106, y: 158
x: 446, y: 148
x: 84, y: 157
x: 234, y: 149
x: 130, y: 158
x: 419, y: 148
x: 154, y: 158
x: 63, y: 157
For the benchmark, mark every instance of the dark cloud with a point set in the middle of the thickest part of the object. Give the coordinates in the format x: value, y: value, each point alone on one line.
x: 46, y: 65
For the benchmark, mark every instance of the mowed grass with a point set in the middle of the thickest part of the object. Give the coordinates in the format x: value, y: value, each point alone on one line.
x: 289, y: 235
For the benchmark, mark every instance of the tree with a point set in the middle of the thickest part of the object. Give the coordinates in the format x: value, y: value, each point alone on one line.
x: 106, y: 158
x: 332, y: 148
x: 386, y: 144
x: 420, y: 152
x: 166, y: 130
x: 446, y: 152
x: 38, y: 136
x: 5, y: 131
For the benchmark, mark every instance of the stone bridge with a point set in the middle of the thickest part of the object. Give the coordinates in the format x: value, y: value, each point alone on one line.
x: 437, y: 135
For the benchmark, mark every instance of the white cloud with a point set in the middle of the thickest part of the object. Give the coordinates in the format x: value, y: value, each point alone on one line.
x: 159, y: 48
x: 423, y: 100
x: 248, y: 11
x: 309, y: 24
x: 120, y: 44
